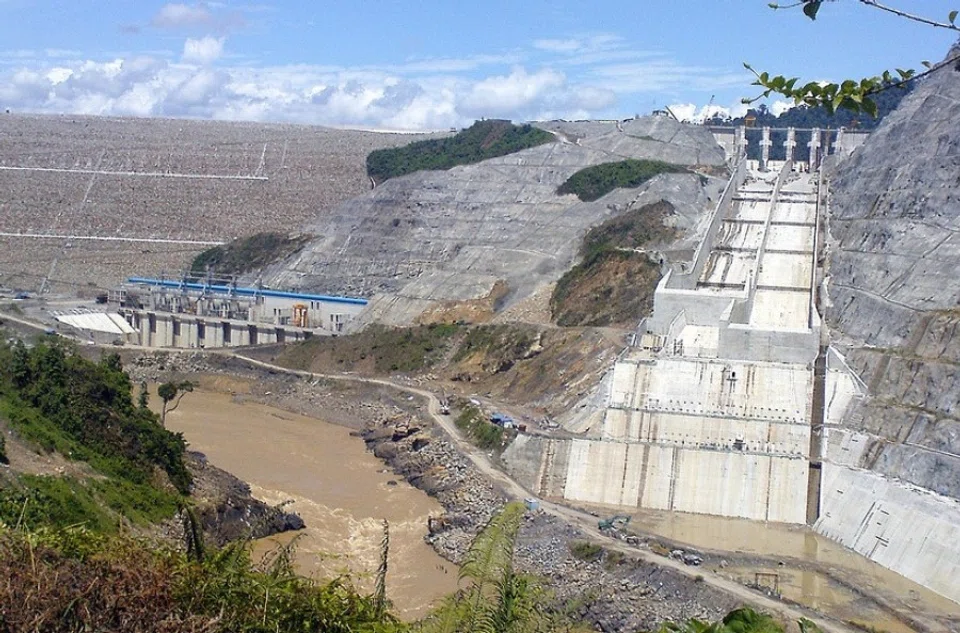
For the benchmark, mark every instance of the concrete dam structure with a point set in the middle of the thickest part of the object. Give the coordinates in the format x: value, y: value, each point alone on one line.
x: 711, y: 411
x: 734, y: 398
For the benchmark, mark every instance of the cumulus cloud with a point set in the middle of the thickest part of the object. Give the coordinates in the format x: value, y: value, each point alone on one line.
x: 780, y: 106
x: 202, y: 51
x: 580, y: 77
x: 506, y: 94
x: 698, y: 114
x: 385, y: 98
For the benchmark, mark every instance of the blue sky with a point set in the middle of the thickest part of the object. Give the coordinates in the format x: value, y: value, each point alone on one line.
x: 393, y: 64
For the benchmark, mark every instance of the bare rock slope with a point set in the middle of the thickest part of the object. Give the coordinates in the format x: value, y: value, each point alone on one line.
x: 891, y: 476
x: 895, y: 285
x: 438, y: 236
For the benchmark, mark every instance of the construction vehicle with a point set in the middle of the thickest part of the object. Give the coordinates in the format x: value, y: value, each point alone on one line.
x: 444, y: 403
x: 613, y: 522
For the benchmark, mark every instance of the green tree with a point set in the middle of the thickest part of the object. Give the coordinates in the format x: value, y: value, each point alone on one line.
x: 143, y: 399
x: 851, y: 94
x: 170, y: 391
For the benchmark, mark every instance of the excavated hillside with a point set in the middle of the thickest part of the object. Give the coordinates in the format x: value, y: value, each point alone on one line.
x: 497, y: 229
x: 895, y: 285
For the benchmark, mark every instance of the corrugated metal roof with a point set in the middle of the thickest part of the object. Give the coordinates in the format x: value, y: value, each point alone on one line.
x: 245, y: 292
x: 111, y: 323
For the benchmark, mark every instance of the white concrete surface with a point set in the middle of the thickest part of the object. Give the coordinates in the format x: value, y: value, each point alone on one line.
x: 781, y: 310
x: 728, y: 268
x: 790, y: 237
x: 798, y: 212
x: 740, y: 235
x: 724, y: 483
x: 109, y: 323
x: 902, y: 527
x: 718, y: 420
x: 786, y: 270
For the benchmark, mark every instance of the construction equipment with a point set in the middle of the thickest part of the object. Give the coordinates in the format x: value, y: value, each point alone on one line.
x: 613, y: 522
x: 444, y: 403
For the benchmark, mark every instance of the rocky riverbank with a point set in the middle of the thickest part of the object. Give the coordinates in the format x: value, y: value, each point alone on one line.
x: 611, y: 590
x: 226, y: 509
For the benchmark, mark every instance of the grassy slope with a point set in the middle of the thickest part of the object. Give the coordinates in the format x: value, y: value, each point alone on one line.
x: 480, y: 141
x: 613, y: 284
x: 377, y: 349
x: 59, y: 402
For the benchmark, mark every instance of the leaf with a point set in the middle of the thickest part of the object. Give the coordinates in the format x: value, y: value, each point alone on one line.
x: 952, y: 17
x: 811, y: 8
x: 927, y: 64
x: 869, y: 106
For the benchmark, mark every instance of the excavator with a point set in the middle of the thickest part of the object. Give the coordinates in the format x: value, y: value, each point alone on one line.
x: 613, y: 522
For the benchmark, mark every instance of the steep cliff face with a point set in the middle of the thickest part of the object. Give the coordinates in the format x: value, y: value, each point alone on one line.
x: 895, y: 285
x: 891, y: 473
x: 453, y: 235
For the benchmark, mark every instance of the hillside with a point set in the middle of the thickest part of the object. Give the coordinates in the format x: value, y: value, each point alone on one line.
x: 614, y: 283
x: 480, y: 141
x: 893, y: 294
x: 594, y: 182
x: 81, y: 451
x: 246, y: 254
x: 171, y: 186
x: 497, y: 227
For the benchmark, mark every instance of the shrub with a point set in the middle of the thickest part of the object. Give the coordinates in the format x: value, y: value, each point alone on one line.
x: 85, y: 411
x: 73, y: 580
x: 246, y: 254
x: 585, y: 550
x: 595, y: 182
x: 483, y: 434
x: 482, y: 140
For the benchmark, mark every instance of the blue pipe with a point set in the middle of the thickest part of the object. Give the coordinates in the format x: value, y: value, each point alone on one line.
x: 246, y: 292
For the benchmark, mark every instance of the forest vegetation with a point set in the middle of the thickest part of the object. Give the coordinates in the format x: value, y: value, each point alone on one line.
x: 592, y: 183
x: 481, y: 141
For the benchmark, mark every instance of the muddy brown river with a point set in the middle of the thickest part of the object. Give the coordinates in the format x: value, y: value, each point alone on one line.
x: 342, y: 492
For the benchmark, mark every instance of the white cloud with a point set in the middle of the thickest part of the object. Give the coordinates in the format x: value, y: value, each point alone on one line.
x: 558, y: 46
x: 780, y: 106
x: 177, y: 15
x: 504, y: 95
x: 202, y: 51
x: 205, y: 16
x: 580, y: 77
x: 697, y: 114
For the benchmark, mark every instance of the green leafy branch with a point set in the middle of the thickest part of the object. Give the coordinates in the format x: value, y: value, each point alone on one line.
x: 854, y: 95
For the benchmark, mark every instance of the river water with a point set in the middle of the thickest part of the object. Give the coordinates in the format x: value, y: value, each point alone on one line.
x: 342, y: 492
